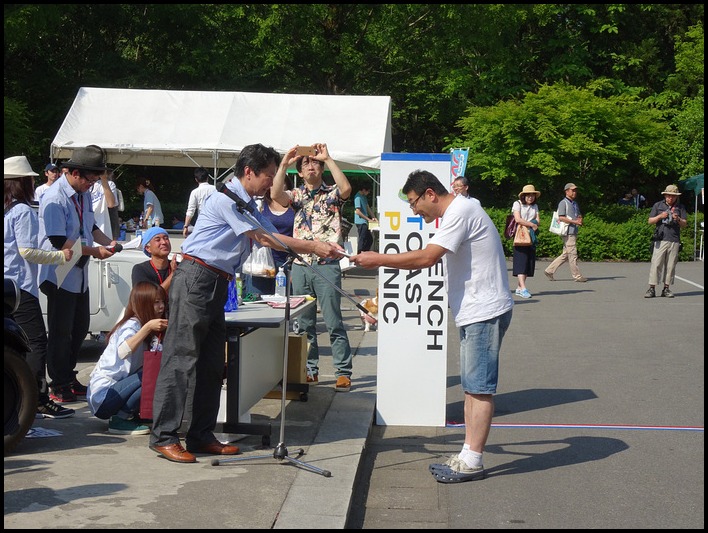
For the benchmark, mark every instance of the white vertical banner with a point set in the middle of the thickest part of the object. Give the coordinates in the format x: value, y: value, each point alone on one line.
x: 412, y: 330
x: 458, y: 162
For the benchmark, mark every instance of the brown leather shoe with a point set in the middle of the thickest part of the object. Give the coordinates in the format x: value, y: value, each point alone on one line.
x: 175, y: 453
x: 216, y: 448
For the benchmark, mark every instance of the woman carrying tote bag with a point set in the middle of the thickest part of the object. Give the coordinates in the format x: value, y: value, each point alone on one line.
x: 526, y: 214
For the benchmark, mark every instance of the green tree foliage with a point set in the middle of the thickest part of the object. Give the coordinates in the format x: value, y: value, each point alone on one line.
x: 436, y: 61
x: 562, y: 133
x: 688, y: 120
x: 18, y: 131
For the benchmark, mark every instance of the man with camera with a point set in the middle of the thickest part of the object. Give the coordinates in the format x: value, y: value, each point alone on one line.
x: 669, y: 216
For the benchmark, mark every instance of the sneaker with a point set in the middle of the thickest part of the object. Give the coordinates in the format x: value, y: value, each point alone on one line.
x: 78, y: 389
x: 343, y: 384
x: 312, y: 377
x: 49, y: 409
x: 517, y: 292
x: 449, y: 475
x: 650, y: 293
x: 524, y: 293
x: 455, y: 470
x: 666, y: 293
x: 121, y: 426
x: 581, y: 279
x: 452, y: 460
x: 62, y: 395
x: 549, y: 275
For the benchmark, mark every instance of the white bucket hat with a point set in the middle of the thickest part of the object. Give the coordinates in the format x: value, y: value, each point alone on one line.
x: 18, y: 167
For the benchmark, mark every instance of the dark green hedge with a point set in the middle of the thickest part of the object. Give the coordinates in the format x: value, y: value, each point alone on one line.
x: 615, y: 234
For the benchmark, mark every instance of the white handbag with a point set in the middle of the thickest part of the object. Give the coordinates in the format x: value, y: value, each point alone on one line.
x: 558, y: 227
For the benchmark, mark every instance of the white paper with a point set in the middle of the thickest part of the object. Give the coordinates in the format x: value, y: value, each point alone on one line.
x: 63, y: 270
x: 133, y: 244
x: 344, y: 262
x: 38, y: 433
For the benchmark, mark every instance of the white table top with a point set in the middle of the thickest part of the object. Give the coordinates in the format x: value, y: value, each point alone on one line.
x: 262, y: 315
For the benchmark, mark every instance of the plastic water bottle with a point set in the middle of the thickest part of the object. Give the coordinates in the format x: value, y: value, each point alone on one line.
x: 280, y: 281
x: 239, y: 288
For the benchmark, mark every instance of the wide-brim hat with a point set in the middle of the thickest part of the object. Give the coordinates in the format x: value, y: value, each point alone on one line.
x: 672, y: 189
x: 18, y: 167
x: 90, y: 158
x: 150, y: 235
x: 530, y: 189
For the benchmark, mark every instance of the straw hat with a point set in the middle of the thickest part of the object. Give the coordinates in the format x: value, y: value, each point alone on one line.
x: 18, y: 167
x: 529, y: 189
x: 672, y: 189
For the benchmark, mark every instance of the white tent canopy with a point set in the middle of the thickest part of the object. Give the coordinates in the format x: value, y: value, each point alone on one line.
x: 209, y: 128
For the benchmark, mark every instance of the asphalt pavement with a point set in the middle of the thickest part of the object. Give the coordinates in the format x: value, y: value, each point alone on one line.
x: 598, y: 424
x: 599, y: 418
x: 80, y: 476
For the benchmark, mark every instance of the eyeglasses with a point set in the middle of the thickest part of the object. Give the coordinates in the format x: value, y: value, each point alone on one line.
x: 414, y: 202
x: 91, y: 181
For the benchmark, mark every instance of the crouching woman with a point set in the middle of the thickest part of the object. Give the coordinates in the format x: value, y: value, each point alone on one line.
x: 116, y: 382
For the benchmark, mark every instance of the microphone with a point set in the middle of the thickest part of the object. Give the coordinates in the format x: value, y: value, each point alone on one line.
x: 240, y: 204
x: 115, y: 249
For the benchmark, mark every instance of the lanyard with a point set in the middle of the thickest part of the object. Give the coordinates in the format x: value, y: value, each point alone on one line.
x: 169, y: 269
x: 79, y: 206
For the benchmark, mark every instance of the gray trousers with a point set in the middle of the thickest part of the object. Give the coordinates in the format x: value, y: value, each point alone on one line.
x: 193, y: 357
x: 305, y: 281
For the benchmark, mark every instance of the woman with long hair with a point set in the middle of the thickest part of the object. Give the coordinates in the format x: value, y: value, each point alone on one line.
x: 22, y: 255
x: 116, y: 382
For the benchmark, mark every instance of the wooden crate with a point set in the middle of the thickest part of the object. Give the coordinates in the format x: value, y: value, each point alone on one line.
x: 297, y: 369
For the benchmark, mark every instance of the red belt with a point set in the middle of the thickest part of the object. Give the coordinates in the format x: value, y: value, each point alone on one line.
x: 225, y: 275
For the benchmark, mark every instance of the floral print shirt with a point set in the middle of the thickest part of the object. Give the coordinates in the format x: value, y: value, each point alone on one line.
x: 318, y: 216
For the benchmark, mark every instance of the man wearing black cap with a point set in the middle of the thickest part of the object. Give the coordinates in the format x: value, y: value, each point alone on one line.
x: 66, y: 216
x: 51, y: 171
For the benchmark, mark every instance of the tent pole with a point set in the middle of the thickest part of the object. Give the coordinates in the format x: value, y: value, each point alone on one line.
x: 695, y: 226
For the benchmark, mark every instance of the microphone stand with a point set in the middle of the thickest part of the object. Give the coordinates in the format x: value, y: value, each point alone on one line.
x: 280, y: 452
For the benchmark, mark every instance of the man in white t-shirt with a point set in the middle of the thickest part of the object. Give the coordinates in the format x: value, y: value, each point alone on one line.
x: 104, y: 195
x: 51, y: 171
x: 477, y: 285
